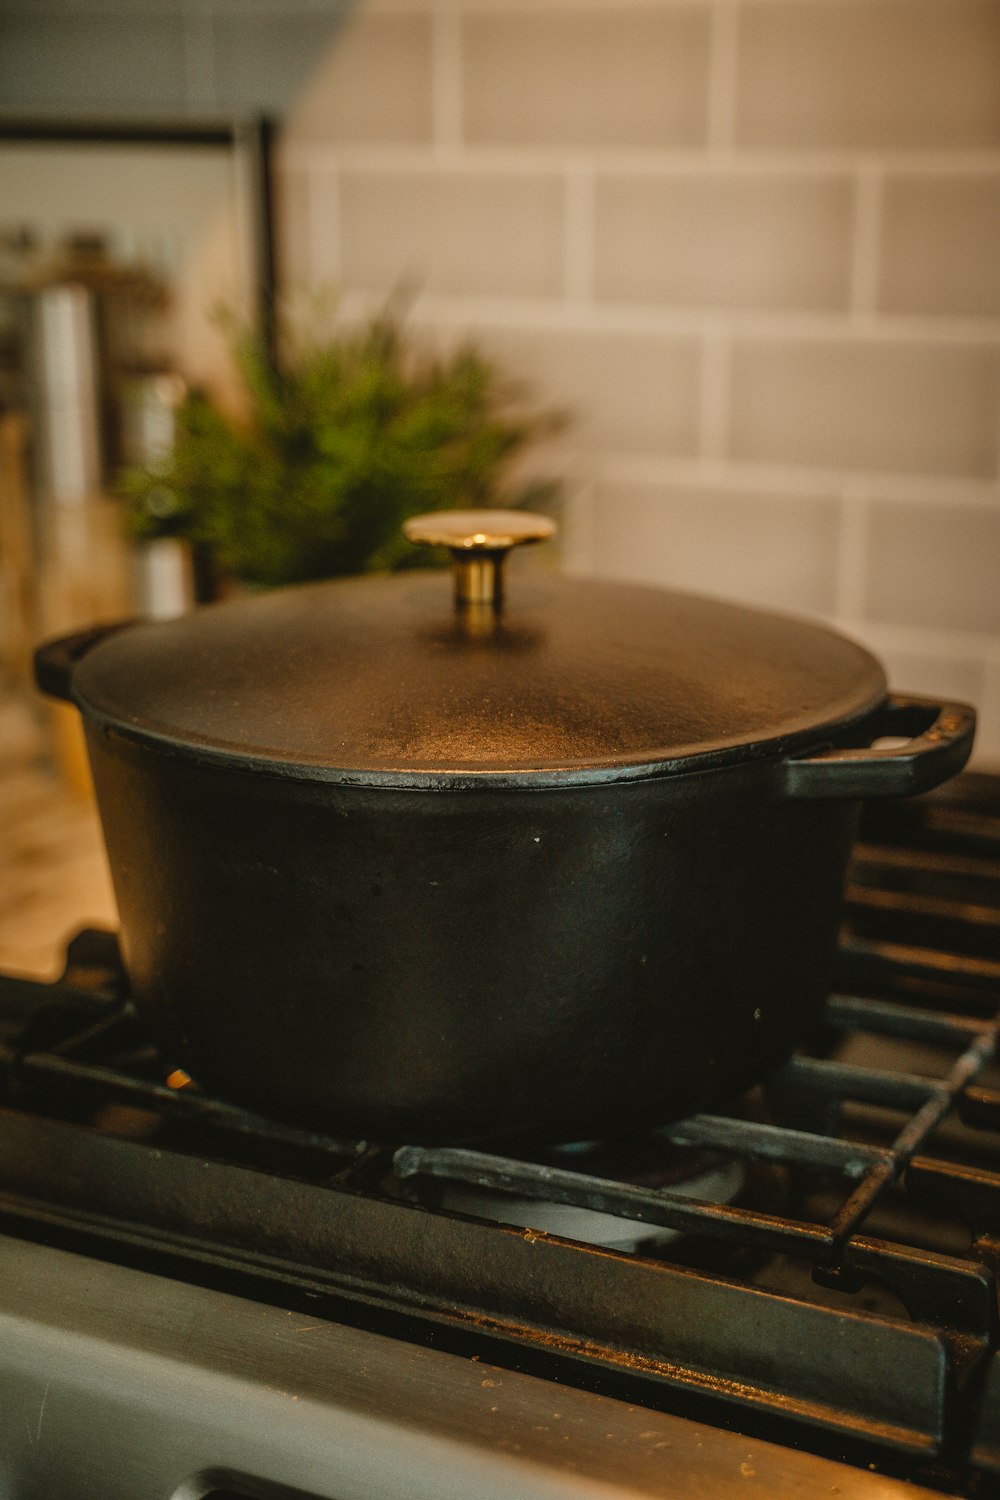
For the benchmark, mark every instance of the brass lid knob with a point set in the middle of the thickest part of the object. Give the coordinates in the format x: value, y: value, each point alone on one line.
x: 478, y: 541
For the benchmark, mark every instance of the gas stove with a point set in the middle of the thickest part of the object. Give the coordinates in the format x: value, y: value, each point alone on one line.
x: 793, y: 1295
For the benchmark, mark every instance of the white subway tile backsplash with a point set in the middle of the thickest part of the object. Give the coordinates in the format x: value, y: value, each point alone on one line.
x: 885, y: 73
x: 935, y: 565
x: 987, y: 748
x: 624, y: 76
x: 370, y: 84
x: 725, y: 241
x: 776, y: 552
x: 292, y: 212
x: 956, y: 678
x: 867, y: 404
x: 454, y: 232
x: 947, y: 673
x: 622, y: 391
x: 941, y: 244
x: 724, y: 234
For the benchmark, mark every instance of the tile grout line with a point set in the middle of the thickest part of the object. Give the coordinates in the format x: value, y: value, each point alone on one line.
x: 328, y: 255
x: 771, y: 325
x: 867, y: 229
x: 716, y: 376
x: 582, y: 531
x: 447, y: 103
x: 294, y: 231
x: 807, y: 484
x: 654, y: 160
x: 923, y: 640
x: 579, y: 230
x: 521, y: 6
x: 852, y: 551
x: 720, y: 123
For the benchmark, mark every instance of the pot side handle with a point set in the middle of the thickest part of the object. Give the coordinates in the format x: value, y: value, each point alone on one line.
x: 938, y: 741
x: 55, y: 660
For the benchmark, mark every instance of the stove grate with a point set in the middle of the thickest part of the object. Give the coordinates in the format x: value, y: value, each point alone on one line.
x: 872, y: 1169
x: 859, y: 1296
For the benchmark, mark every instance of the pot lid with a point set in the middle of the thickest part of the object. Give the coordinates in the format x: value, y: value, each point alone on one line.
x: 385, y: 681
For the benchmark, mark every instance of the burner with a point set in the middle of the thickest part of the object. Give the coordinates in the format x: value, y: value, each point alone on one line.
x: 648, y: 1161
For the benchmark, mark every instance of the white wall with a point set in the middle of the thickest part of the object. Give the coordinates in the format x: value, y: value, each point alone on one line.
x: 754, y: 243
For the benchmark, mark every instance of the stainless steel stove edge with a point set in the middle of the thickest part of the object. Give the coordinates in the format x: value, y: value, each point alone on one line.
x: 131, y: 1386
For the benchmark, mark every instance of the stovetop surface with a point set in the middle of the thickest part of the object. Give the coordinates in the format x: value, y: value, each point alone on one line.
x: 814, y: 1264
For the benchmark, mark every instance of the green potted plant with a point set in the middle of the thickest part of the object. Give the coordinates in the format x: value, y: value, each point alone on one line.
x: 340, y: 443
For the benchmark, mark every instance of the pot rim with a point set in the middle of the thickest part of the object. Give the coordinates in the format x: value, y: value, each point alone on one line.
x: 514, y: 777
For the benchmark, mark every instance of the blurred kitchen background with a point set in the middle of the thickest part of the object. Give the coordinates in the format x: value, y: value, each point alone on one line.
x: 752, y: 246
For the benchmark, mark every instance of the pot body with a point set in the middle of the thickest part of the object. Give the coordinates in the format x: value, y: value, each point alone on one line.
x: 456, y: 965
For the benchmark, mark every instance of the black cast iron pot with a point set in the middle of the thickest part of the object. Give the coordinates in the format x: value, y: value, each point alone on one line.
x: 564, y: 866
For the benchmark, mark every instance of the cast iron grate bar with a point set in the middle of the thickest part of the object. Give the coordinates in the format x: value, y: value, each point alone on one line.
x: 883, y: 857
x: 183, y: 1102
x: 113, y: 1084
x: 980, y: 829
x: 658, y: 1207
x: 888, y: 1018
x: 969, y: 913
x: 914, y: 1134
x: 907, y: 961
x: 776, y: 1143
